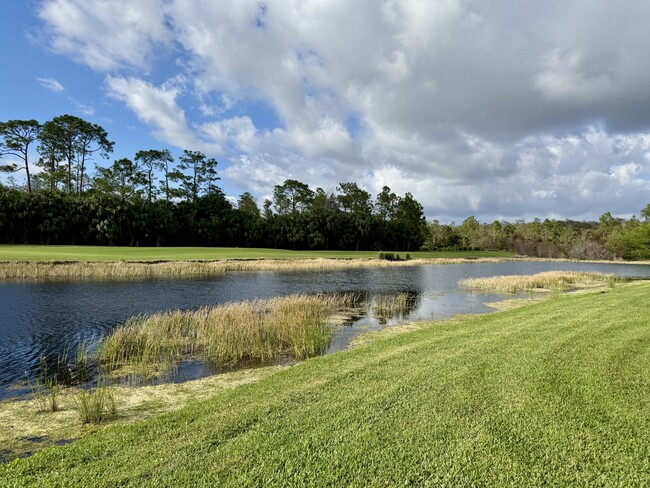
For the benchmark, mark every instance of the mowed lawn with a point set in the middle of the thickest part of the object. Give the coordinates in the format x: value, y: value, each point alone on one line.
x: 110, y: 253
x: 551, y: 394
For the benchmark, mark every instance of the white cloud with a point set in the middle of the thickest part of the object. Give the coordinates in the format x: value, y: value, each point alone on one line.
x: 106, y: 35
x: 51, y: 84
x: 157, y: 107
x: 513, y: 108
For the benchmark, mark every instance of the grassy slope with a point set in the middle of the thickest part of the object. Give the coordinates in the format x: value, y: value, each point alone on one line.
x: 553, y: 393
x: 106, y: 253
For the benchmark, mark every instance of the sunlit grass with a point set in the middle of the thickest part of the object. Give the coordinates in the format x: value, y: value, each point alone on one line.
x: 548, y: 280
x: 260, y: 330
x: 126, y: 270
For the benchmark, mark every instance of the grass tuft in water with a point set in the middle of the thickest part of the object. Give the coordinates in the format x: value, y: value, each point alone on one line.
x: 259, y: 330
x: 549, y: 280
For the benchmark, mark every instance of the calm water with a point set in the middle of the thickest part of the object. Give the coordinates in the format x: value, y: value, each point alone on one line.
x: 46, y: 318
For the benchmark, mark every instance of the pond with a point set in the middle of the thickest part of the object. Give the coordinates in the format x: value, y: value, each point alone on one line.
x: 49, y: 319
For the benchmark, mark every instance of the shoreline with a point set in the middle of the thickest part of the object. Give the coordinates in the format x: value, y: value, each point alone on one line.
x: 127, y: 270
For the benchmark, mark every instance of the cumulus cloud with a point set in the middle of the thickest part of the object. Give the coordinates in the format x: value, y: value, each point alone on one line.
x: 105, y: 35
x: 51, y: 84
x: 509, y: 109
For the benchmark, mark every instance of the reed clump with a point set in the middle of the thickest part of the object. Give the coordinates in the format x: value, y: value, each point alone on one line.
x: 259, y: 330
x: 397, y: 305
x: 549, y: 280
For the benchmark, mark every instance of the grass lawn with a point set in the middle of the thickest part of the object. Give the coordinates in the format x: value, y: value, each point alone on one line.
x: 556, y: 393
x: 109, y: 253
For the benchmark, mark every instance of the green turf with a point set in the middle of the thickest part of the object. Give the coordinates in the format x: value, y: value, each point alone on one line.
x: 109, y: 253
x: 551, y: 394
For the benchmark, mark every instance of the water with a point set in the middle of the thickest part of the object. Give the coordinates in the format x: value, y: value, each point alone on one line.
x: 49, y: 318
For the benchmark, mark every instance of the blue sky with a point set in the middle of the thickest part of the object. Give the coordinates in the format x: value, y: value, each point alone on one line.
x: 508, y: 109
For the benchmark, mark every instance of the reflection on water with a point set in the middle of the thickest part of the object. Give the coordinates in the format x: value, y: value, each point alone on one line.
x: 46, y: 319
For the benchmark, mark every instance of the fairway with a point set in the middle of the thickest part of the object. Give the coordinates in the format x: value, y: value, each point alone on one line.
x: 554, y: 393
x: 107, y: 253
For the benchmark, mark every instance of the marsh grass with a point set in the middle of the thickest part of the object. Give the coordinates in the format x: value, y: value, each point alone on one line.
x: 126, y: 270
x: 260, y: 330
x: 94, y: 405
x: 399, y: 305
x: 45, y: 393
x: 546, y: 281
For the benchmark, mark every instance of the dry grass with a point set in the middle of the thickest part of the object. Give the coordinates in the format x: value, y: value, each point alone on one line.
x: 260, y: 330
x: 125, y: 270
x: 549, y: 280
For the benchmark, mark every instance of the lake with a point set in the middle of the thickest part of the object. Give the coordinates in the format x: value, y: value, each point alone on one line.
x: 46, y: 319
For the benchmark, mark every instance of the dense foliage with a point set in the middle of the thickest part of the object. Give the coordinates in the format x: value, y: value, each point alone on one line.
x: 609, y: 238
x: 153, y: 200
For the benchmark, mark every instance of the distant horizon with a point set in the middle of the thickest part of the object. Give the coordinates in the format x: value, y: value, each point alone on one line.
x: 518, y: 110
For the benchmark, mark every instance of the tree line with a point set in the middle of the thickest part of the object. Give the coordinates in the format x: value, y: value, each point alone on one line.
x: 609, y: 238
x: 153, y: 200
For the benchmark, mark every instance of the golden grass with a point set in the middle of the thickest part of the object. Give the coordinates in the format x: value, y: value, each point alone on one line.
x: 549, y: 280
x: 259, y: 330
x: 125, y: 270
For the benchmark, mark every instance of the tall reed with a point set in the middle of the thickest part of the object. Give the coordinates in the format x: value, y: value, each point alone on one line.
x: 549, y: 280
x: 400, y: 305
x: 125, y: 270
x: 259, y: 330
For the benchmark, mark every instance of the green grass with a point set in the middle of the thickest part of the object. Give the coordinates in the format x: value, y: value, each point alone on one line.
x: 106, y: 253
x: 554, y: 394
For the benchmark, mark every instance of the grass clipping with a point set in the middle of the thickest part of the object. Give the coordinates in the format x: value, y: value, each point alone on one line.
x: 261, y: 330
x: 547, y: 281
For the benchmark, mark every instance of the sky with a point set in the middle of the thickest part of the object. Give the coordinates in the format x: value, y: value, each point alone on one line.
x: 505, y: 109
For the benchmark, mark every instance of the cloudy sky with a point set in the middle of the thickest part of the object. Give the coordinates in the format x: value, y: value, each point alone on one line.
x: 501, y: 109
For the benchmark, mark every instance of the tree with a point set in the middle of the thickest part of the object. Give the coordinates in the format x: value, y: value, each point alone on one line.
x: 122, y: 179
x: 202, y: 177
x: 292, y: 196
x: 72, y: 140
x: 469, y: 232
x: 356, y: 203
x: 412, y: 224
x: 386, y: 204
x: 645, y: 213
x: 17, y: 136
x: 247, y: 205
x: 151, y: 160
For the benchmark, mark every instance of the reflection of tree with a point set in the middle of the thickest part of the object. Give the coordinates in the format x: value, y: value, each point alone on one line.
x: 399, y: 305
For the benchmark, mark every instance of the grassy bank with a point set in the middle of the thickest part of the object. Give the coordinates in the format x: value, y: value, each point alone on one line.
x: 555, y: 393
x: 117, y: 253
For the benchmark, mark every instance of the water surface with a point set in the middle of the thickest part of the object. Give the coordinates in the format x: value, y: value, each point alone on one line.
x: 49, y: 318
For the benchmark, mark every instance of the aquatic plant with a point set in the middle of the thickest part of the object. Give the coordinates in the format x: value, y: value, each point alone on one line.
x: 549, y: 280
x: 126, y: 270
x: 260, y: 330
